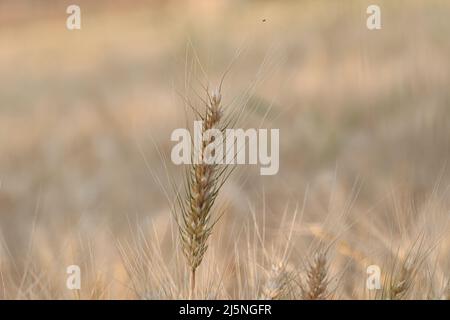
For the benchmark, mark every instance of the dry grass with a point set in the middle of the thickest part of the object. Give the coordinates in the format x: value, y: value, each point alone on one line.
x: 364, y: 124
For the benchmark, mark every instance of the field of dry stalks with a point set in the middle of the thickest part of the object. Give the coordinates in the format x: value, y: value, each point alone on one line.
x: 85, y: 171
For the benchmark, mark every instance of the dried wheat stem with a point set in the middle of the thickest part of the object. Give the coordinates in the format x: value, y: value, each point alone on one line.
x: 192, y: 287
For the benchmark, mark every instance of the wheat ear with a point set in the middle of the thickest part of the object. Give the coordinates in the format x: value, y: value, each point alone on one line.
x: 399, y: 287
x: 276, y: 286
x: 203, y: 182
x: 316, y: 284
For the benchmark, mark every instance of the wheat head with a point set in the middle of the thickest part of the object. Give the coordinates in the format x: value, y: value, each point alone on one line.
x: 203, y: 182
x: 316, y: 283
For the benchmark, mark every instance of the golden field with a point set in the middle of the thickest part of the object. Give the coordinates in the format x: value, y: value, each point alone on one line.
x: 364, y: 118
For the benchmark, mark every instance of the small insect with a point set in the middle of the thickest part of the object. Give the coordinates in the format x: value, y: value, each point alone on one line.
x: 263, y: 20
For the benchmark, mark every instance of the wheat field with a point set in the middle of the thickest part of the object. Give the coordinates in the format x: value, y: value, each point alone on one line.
x: 86, y: 177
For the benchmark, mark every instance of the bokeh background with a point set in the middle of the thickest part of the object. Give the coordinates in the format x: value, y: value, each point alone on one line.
x: 84, y: 114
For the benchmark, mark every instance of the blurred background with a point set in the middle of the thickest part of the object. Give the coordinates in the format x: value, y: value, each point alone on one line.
x: 363, y: 115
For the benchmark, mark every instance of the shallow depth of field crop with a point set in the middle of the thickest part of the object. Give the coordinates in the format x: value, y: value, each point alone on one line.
x: 364, y: 119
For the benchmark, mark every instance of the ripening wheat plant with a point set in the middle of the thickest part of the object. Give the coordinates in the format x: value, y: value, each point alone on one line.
x: 266, y: 150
